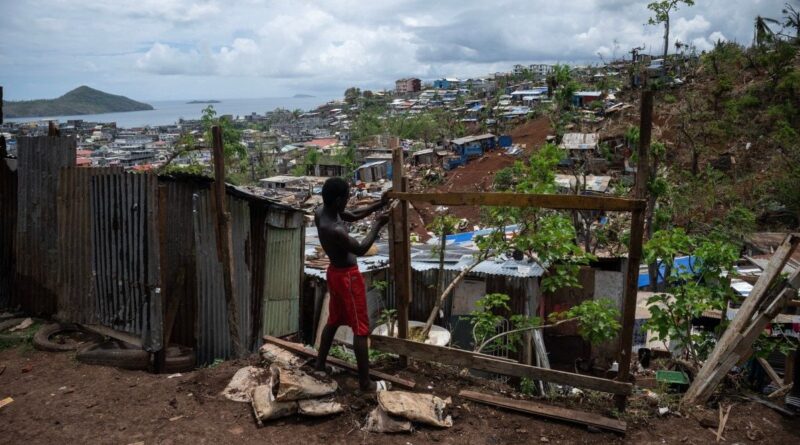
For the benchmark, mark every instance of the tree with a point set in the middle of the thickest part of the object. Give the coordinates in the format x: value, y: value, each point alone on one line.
x: 791, y: 19
x: 351, y: 95
x: 661, y: 11
x: 231, y: 137
x: 762, y: 33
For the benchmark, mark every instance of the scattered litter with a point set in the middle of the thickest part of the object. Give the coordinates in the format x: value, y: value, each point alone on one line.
x: 423, y: 408
x: 294, y: 384
x: 6, y: 401
x: 378, y: 421
x: 26, y: 323
x: 172, y: 419
x: 663, y: 410
x: 243, y: 383
x: 174, y: 376
x: 319, y: 408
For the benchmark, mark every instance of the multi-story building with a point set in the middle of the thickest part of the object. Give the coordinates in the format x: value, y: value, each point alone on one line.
x: 407, y: 85
x: 541, y: 69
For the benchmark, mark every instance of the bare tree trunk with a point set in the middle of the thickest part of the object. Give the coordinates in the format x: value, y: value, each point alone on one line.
x: 666, y: 46
x: 432, y: 317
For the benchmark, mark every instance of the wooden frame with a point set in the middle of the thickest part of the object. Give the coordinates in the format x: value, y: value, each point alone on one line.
x: 400, y: 257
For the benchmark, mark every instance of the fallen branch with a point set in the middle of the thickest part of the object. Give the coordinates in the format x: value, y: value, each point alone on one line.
x: 440, y: 301
x: 723, y: 419
x: 529, y: 328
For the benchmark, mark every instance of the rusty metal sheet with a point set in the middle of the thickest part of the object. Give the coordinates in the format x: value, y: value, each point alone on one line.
x: 8, y: 232
x: 213, y: 338
x: 125, y: 254
x: 40, y: 160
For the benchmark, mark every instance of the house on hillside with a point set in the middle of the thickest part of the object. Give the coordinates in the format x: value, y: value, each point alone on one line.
x: 407, y: 85
x: 584, y: 98
x: 584, y: 142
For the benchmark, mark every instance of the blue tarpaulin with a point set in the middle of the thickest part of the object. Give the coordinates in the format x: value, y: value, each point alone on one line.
x: 684, y: 264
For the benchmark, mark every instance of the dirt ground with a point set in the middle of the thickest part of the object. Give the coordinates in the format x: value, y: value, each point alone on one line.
x: 59, y: 400
x: 478, y: 175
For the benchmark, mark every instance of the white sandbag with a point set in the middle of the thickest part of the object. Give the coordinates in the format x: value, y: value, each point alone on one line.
x: 380, y: 422
x: 294, y: 384
x: 319, y: 408
x: 244, y: 382
x: 277, y: 355
x: 423, y: 408
x: 265, y: 406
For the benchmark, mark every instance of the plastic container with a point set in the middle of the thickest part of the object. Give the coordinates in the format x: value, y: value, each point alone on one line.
x: 675, y: 380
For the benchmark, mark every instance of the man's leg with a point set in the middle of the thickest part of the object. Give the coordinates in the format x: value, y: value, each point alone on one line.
x: 328, y: 333
x: 362, y: 359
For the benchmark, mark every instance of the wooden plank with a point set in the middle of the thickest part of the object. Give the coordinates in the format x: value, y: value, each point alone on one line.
x: 400, y: 249
x: 551, y: 412
x: 469, y: 359
x: 703, y: 383
x: 113, y: 333
x: 299, y: 349
x: 770, y: 372
x: 225, y: 242
x: 547, y: 201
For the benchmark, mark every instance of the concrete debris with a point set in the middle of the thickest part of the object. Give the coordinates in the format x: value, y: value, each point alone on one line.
x: 378, y: 421
x: 423, y: 408
x: 273, y: 354
x: 244, y: 382
x: 28, y: 322
x: 294, y: 384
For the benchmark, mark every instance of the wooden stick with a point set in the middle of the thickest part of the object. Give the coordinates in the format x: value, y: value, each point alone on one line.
x: 551, y: 412
x: 299, y: 349
x: 780, y: 392
x: 225, y: 242
x: 482, y: 362
x: 770, y: 371
x: 546, y: 201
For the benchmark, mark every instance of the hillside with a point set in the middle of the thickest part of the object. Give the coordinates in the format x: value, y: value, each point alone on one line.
x: 81, y: 100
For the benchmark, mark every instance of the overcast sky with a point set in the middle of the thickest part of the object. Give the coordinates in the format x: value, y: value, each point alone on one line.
x: 180, y: 49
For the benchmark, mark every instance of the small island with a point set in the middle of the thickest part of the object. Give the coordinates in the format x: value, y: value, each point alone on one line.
x: 81, y: 100
x: 302, y: 96
x: 203, y: 102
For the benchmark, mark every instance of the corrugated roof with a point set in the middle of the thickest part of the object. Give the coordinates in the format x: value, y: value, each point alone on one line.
x: 468, y: 139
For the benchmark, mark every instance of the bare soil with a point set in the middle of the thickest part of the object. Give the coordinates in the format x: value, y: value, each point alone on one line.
x: 59, y: 400
x: 478, y: 175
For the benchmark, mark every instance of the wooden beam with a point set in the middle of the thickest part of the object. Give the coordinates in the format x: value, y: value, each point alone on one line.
x: 225, y: 241
x: 300, y: 349
x: 400, y: 249
x: 770, y: 372
x: 551, y: 412
x: 481, y: 362
x: 113, y: 333
x: 558, y: 202
x: 743, y: 325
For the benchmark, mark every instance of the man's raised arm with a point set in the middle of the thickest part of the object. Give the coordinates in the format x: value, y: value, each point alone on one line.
x: 363, y: 212
x: 360, y: 248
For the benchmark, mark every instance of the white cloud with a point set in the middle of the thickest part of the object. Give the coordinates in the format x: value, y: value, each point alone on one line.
x: 174, y: 48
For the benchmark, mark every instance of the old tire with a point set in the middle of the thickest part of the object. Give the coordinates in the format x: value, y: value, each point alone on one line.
x: 114, y: 353
x: 43, y: 339
x: 179, y: 359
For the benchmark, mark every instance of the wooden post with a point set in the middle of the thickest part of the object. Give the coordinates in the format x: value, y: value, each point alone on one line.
x: 635, y: 248
x: 400, y: 249
x: 52, y: 130
x: 224, y: 242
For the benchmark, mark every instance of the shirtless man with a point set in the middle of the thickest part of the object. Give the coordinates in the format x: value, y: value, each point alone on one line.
x: 348, y: 303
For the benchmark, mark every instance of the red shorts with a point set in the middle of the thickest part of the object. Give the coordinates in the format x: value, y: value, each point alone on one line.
x: 348, y: 299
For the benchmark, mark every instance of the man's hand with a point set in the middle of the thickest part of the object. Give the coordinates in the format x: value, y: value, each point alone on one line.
x: 382, y: 218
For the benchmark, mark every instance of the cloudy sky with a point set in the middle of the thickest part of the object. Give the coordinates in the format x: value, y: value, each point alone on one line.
x: 178, y: 49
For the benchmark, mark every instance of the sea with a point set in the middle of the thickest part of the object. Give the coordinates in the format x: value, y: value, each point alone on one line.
x: 170, y: 111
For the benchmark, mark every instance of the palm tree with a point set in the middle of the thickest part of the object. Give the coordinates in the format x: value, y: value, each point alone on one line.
x: 791, y: 19
x: 763, y: 33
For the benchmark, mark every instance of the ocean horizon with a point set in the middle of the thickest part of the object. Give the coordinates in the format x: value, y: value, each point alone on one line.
x: 168, y: 112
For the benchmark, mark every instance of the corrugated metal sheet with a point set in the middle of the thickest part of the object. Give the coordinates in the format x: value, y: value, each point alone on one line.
x: 282, y: 276
x: 126, y: 256
x: 177, y: 252
x: 213, y: 337
x: 281, y: 317
x: 8, y: 232
x: 40, y: 160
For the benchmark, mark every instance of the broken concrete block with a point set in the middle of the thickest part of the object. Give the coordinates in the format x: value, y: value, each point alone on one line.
x: 265, y: 406
x: 378, y: 421
x: 294, y: 384
x: 244, y: 382
x: 279, y: 356
x: 319, y: 408
x: 423, y: 408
